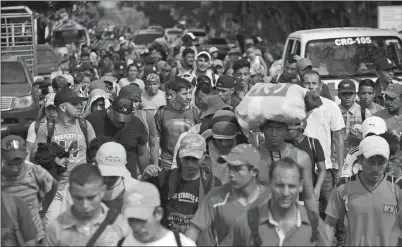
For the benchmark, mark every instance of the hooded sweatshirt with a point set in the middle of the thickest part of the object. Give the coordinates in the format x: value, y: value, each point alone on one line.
x: 93, y: 96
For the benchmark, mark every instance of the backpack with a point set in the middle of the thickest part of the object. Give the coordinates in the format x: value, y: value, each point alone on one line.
x: 253, y: 217
x: 176, y: 236
x: 11, y: 210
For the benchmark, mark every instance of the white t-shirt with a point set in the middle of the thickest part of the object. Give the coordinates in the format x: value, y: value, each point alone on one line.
x: 168, y: 240
x: 31, y: 136
x: 321, y: 122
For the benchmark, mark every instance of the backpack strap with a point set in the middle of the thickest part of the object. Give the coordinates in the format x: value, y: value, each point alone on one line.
x: 50, y: 130
x: 37, y: 125
x: 110, y: 219
x: 177, y: 237
x: 120, y: 243
x: 253, y: 216
x: 8, y: 202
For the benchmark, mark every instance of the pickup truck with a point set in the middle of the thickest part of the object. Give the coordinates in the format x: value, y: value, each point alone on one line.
x: 19, y: 101
x: 19, y: 98
x: 349, y: 52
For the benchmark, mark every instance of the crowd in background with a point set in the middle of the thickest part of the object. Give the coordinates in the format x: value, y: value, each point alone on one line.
x: 144, y: 148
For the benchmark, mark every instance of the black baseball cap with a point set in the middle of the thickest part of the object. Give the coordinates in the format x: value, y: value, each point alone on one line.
x: 13, y: 147
x: 120, y: 65
x: 121, y: 109
x: 384, y: 64
x: 67, y: 95
x: 226, y: 81
x: 347, y: 85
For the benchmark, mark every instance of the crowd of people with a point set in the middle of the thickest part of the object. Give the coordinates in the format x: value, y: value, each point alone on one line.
x: 147, y: 151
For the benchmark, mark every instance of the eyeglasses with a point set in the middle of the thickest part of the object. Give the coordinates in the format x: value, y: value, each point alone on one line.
x: 12, y: 145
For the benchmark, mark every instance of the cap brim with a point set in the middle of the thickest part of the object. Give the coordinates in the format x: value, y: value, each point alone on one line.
x: 231, y: 159
x: 392, y: 94
x: 191, y: 153
x: 76, y: 100
x: 9, y: 155
x: 142, y: 213
x: 109, y: 171
x: 120, y: 117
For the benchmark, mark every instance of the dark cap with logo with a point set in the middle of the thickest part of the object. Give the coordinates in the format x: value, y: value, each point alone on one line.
x: 384, y: 64
x: 120, y: 65
x: 394, y: 90
x: 347, y: 85
x: 121, y: 109
x: 13, y: 147
x: 226, y: 81
x: 67, y: 95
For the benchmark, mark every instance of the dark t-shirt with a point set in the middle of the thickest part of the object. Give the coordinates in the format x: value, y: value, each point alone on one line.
x: 314, y: 149
x: 24, y: 219
x: 170, y: 124
x: 131, y: 136
x: 183, y: 205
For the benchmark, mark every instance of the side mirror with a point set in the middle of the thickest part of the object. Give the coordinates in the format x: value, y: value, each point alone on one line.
x: 38, y: 80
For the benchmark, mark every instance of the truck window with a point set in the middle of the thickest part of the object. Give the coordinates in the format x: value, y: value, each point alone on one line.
x: 354, y: 56
x: 13, y: 73
x: 289, y: 47
x: 297, y: 47
x: 46, y: 56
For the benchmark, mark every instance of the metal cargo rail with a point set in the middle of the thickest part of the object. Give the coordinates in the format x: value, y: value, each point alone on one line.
x: 18, y: 36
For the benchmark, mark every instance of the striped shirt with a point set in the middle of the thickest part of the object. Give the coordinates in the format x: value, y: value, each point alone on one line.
x: 371, y: 215
x: 31, y: 185
x: 217, y: 214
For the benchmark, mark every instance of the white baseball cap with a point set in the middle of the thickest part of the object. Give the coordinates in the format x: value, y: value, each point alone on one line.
x: 374, y: 145
x: 375, y: 125
x: 69, y: 78
x: 212, y: 50
x: 111, y: 159
x: 204, y: 53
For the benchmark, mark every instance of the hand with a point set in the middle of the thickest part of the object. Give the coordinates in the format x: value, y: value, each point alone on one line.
x: 61, y: 162
x: 317, y: 193
x: 151, y: 171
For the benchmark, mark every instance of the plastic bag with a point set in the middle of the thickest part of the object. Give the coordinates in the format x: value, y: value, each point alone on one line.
x: 284, y: 102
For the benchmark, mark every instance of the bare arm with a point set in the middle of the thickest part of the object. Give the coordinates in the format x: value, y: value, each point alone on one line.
x: 321, y: 177
x: 154, y: 139
x: 193, y: 232
x: 143, y: 157
x: 340, y: 147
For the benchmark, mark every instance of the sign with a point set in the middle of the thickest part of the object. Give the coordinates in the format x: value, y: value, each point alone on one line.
x: 352, y: 41
x: 390, y: 17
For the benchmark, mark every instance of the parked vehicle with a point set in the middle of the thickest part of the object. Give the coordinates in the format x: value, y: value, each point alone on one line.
x: 338, y: 53
x: 222, y: 44
x: 19, y: 100
x: 48, y: 61
x: 144, y: 37
x: 173, y: 34
x: 200, y: 34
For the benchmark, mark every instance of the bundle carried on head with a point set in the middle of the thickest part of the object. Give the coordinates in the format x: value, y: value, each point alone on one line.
x: 286, y: 103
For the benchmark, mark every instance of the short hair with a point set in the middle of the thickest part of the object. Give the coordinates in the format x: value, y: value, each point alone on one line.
x: 180, y: 84
x: 286, y: 162
x: 96, y: 143
x: 170, y: 85
x: 132, y: 65
x: 393, y: 141
x: 241, y: 64
x: 203, y: 87
x: 366, y: 83
x: 202, y: 78
x: 311, y: 72
x: 84, y: 174
x: 187, y: 51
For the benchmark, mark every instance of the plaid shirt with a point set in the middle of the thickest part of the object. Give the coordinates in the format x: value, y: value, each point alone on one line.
x: 351, y: 117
